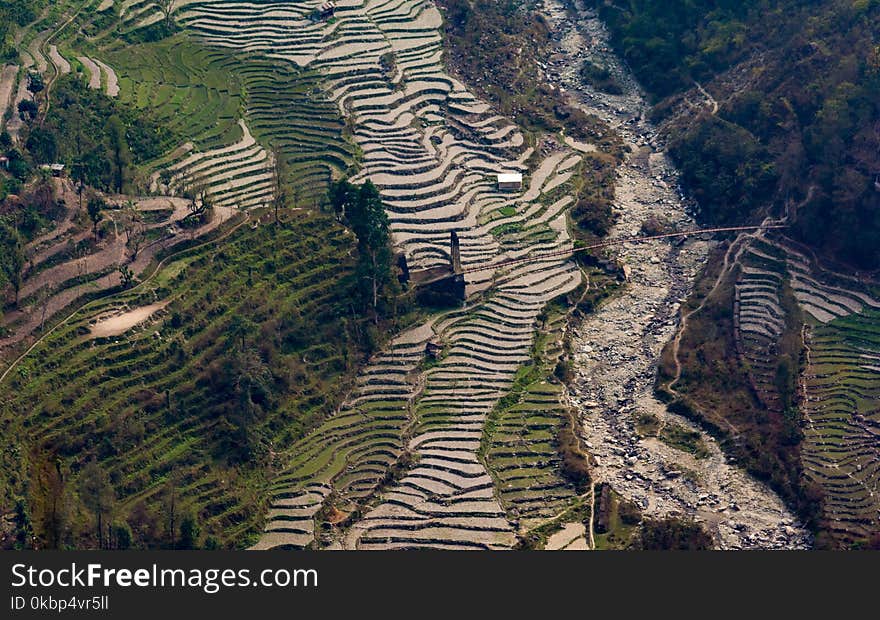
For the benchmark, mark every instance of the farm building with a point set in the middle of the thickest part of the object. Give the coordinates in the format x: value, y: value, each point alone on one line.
x: 328, y: 9
x: 510, y: 181
x: 57, y: 170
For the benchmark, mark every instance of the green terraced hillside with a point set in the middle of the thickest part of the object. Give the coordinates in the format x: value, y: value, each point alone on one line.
x: 521, y: 444
x: 254, y: 343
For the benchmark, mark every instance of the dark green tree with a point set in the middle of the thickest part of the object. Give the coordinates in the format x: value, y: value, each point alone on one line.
x: 97, y: 495
x: 119, y: 150
x: 189, y: 533
x: 122, y: 536
x: 342, y: 193
x: 12, y: 257
x: 35, y: 82
x: 279, y: 174
x: 367, y: 218
x: 95, y: 206
x: 42, y: 145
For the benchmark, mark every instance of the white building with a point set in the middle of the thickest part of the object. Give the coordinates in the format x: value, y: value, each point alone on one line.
x: 510, y: 180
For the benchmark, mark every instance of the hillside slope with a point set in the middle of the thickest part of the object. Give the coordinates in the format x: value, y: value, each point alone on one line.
x: 770, y: 109
x: 797, y: 90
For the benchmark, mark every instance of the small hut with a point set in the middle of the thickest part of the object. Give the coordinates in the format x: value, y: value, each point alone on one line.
x: 508, y: 181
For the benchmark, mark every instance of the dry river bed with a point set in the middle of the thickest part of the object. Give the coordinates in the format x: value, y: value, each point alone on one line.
x: 617, y: 347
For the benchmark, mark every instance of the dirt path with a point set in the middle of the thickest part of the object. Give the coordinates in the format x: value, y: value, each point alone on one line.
x: 617, y: 348
x: 712, y: 103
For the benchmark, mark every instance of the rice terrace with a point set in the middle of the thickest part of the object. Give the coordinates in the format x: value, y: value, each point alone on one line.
x: 439, y: 274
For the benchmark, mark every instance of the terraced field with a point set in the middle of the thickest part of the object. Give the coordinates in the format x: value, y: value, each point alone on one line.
x: 521, y: 440
x: 152, y: 404
x: 840, y: 378
x: 841, y: 389
x: 205, y: 93
x: 239, y: 175
x: 433, y: 149
x: 759, y: 317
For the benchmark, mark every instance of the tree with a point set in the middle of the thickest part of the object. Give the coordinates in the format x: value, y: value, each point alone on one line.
x: 126, y: 275
x: 189, y: 532
x: 342, y: 193
x: 250, y: 377
x: 96, y: 494
x: 370, y: 223
x: 119, y: 150
x: 200, y: 200
x: 12, y: 257
x: 56, y: 514
x: 42, y: 144
x: 169, y: 504
x: 35, y: 82
x: 94, y: 207
x: 133, y: 227
x: 27, y: 110
x: 239, y: 330
x: 362, y: 209
x: 278, y: 176
x: 78, y: 176
x: 167, y: 8
x: 122, y: 536
x: 245, y: 377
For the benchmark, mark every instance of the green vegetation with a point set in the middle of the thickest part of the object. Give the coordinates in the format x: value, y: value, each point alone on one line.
x: 15, y: 13
x: 673, y: 434
x: 254, y: 349
x: 592, y: 213
x: 728, y: 170
x: 529, y: 444
x: 600, y: 77
x: 670, y: 44
x: 362, y: 209
x: 672, y: 534
x: 100, y: 139
x: 803, y: 117
x: 11, y: 257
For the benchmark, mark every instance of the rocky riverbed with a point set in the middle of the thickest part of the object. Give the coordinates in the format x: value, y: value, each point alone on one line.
x: 617, y: 347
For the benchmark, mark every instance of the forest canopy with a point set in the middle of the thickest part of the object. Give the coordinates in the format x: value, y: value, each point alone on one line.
x: 798, y: 85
